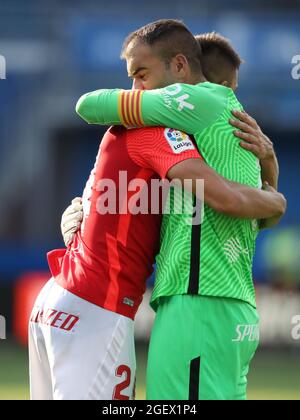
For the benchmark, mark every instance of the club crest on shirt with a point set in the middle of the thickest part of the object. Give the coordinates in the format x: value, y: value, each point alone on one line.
x: 179, y: 141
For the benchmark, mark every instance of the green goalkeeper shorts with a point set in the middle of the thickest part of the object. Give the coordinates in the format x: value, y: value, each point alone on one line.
x: 201, y: 349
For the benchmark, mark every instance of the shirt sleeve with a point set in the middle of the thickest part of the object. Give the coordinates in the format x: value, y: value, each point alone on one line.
x: 159, y: 149
x: 185, y: 107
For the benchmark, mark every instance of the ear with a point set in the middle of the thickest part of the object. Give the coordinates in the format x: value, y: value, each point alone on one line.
x: 225, y: 83
x: 180, y: 66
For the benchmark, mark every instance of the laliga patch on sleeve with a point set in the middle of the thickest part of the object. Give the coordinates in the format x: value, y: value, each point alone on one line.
x: 179, y: 141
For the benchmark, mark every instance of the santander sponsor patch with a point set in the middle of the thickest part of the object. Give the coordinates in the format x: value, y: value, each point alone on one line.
x: 54, y: 318
x: 179, y: 141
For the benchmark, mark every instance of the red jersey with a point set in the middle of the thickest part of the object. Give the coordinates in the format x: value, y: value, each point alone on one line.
x: 112, y: 255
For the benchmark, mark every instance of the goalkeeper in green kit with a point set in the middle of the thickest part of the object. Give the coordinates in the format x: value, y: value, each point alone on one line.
x: 206, y: 328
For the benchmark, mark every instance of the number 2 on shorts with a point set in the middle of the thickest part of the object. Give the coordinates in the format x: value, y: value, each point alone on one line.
x: 120, y: 372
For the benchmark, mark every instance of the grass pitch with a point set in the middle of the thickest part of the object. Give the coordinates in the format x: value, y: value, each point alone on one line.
x: 274, y: 375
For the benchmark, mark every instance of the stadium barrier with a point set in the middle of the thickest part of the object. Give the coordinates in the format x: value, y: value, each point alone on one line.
x: 279, y: 312
x: 279, y: 318
x: 25, y: 293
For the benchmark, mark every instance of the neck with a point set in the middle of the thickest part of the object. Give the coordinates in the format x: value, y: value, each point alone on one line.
x: 194, y: 79
x: 199, y: 78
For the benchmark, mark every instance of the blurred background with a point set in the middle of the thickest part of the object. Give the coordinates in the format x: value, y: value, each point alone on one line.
x: 56, y: 51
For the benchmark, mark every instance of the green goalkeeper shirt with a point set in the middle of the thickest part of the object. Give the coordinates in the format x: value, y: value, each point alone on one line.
x: 213, y: 258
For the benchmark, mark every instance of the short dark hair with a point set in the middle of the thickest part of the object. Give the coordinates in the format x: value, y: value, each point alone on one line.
x: 171, y: 37
x: 217, y: 51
